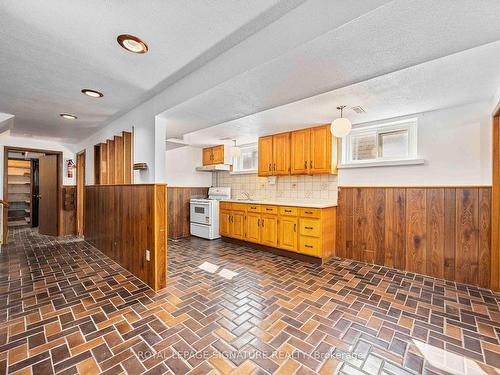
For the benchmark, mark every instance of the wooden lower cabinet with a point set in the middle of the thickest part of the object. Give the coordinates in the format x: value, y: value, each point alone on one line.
x: 238, y: 224
x: 253, y: 227
x: 269, y: 230
x: 309, y: 231
x: 287, y: 231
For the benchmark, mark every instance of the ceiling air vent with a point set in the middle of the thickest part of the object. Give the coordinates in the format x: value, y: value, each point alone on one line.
x: 358, y: 109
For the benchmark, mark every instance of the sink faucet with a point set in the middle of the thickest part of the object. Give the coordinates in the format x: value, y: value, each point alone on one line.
x: 246, y: 195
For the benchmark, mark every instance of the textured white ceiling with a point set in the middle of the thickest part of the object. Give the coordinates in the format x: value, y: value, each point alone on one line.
x: 392, y: 37
x: 52, y: 49
x: 461, y: 78
x: 216, y: 61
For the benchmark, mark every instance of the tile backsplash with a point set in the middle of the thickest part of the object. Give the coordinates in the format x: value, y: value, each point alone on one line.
x: 298, y: 187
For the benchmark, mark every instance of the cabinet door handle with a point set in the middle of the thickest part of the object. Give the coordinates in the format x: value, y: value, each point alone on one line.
x: 305, y: 164
x: 308, y: 227
x: 270, y: 167
x: 308, y: 212
x: 288, y: 211
x: 309, y: 246
x: 258, y: 222
x: 295, y: 227
x: 262, y: 223
x: 274, y: 166
x: 311, y: 164
x: 269, y: 209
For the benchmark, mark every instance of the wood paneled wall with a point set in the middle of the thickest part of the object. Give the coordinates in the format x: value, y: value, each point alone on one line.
x: 178, y: 209
x: 440, y: 232
x: 113, y: 160
x: 123, y: 221
x: 69, y: 210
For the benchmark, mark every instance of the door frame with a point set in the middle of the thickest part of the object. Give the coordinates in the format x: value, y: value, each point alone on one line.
x: 495, y: 202
x: 59, y: 155
x: 80, y: 198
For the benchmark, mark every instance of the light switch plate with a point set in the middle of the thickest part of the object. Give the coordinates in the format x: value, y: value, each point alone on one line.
x: 148, y: 255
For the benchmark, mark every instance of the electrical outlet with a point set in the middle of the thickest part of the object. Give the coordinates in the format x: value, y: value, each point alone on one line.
x: 148, y: 255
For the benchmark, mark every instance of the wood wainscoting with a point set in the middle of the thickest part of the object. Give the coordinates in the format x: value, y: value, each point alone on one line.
x: 178, y: 209
x: 443, y: 232
x: 124, y: 221
x: 69, y: 210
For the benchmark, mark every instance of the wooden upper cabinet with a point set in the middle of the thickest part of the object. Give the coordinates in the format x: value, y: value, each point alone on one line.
x: 266, y: 156
x: 281, y: 154
x: 213, y: 155
x: 218, y: 154
x: 207, y: 156
x: 321, y: 150
x: 305, y: 151
x: 300, y: 151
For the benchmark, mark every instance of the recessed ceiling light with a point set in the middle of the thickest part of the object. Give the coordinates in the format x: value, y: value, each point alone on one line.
x: 132, y: 43
x: 68, y: 116
x: 92, y: 93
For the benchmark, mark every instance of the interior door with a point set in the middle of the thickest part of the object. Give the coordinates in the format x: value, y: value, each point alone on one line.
x: 321, y: 150
x: 48, y: 187
x: 281, y: 154
x: 300, y: 145
x: 266, y: 156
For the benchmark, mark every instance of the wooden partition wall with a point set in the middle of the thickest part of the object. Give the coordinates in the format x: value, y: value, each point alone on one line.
x: 113, y: 160
x: 179, y: 209
x: 126, y: 221
x: 440, y: 232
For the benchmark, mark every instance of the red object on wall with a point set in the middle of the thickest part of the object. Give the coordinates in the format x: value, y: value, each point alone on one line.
x: 71, y: 165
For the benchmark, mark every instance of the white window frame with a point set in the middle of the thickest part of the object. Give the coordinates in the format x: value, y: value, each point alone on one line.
x: 410, y: 125
x: 236, y: 161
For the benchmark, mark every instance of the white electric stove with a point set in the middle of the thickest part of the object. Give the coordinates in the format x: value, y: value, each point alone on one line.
x: 204, y: 213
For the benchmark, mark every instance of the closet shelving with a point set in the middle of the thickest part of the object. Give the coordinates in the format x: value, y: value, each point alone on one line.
x: 19, y: 191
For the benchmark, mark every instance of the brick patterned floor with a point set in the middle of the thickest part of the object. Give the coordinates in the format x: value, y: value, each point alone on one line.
x: 65, y: 308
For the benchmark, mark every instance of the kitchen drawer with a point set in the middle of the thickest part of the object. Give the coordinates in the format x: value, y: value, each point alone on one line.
x: 269, y: 209
x: 310, y: 227
x: 310, y: 246
x: 288, y: 211
x: 239, y: 207
x: 225, y: 205
x: 253, y: 207
x: 310, y: 212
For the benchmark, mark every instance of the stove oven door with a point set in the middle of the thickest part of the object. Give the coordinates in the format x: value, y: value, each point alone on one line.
x: 200, y: 213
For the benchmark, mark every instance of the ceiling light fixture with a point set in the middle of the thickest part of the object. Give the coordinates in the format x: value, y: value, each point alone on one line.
x: 92, y: 93
x: 235, y: 150
x: 132, y: 43
x: 341, y: 126
x: 68, y: 116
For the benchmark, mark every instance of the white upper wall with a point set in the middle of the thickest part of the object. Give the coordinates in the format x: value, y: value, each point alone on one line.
x: 455, y: 143
x: 180, y: 168
x: 8, y: 140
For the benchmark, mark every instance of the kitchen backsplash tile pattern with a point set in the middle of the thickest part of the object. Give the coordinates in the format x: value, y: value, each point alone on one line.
x: 298, y: 187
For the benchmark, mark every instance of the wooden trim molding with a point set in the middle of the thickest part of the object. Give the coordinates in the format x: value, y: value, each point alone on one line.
x: 495, y: 206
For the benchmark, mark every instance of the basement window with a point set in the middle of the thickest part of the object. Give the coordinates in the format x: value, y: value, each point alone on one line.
x: 392, y: 143
x: 248, y: 160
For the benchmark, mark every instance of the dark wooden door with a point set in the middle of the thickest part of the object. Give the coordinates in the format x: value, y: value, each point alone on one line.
x: 48, y: 195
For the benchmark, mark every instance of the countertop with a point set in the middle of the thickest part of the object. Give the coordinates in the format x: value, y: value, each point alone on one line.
x: 313, y: 203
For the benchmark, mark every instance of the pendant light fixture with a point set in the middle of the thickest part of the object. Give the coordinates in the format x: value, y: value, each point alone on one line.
x: 341, y: 126
x: 235, y: 150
